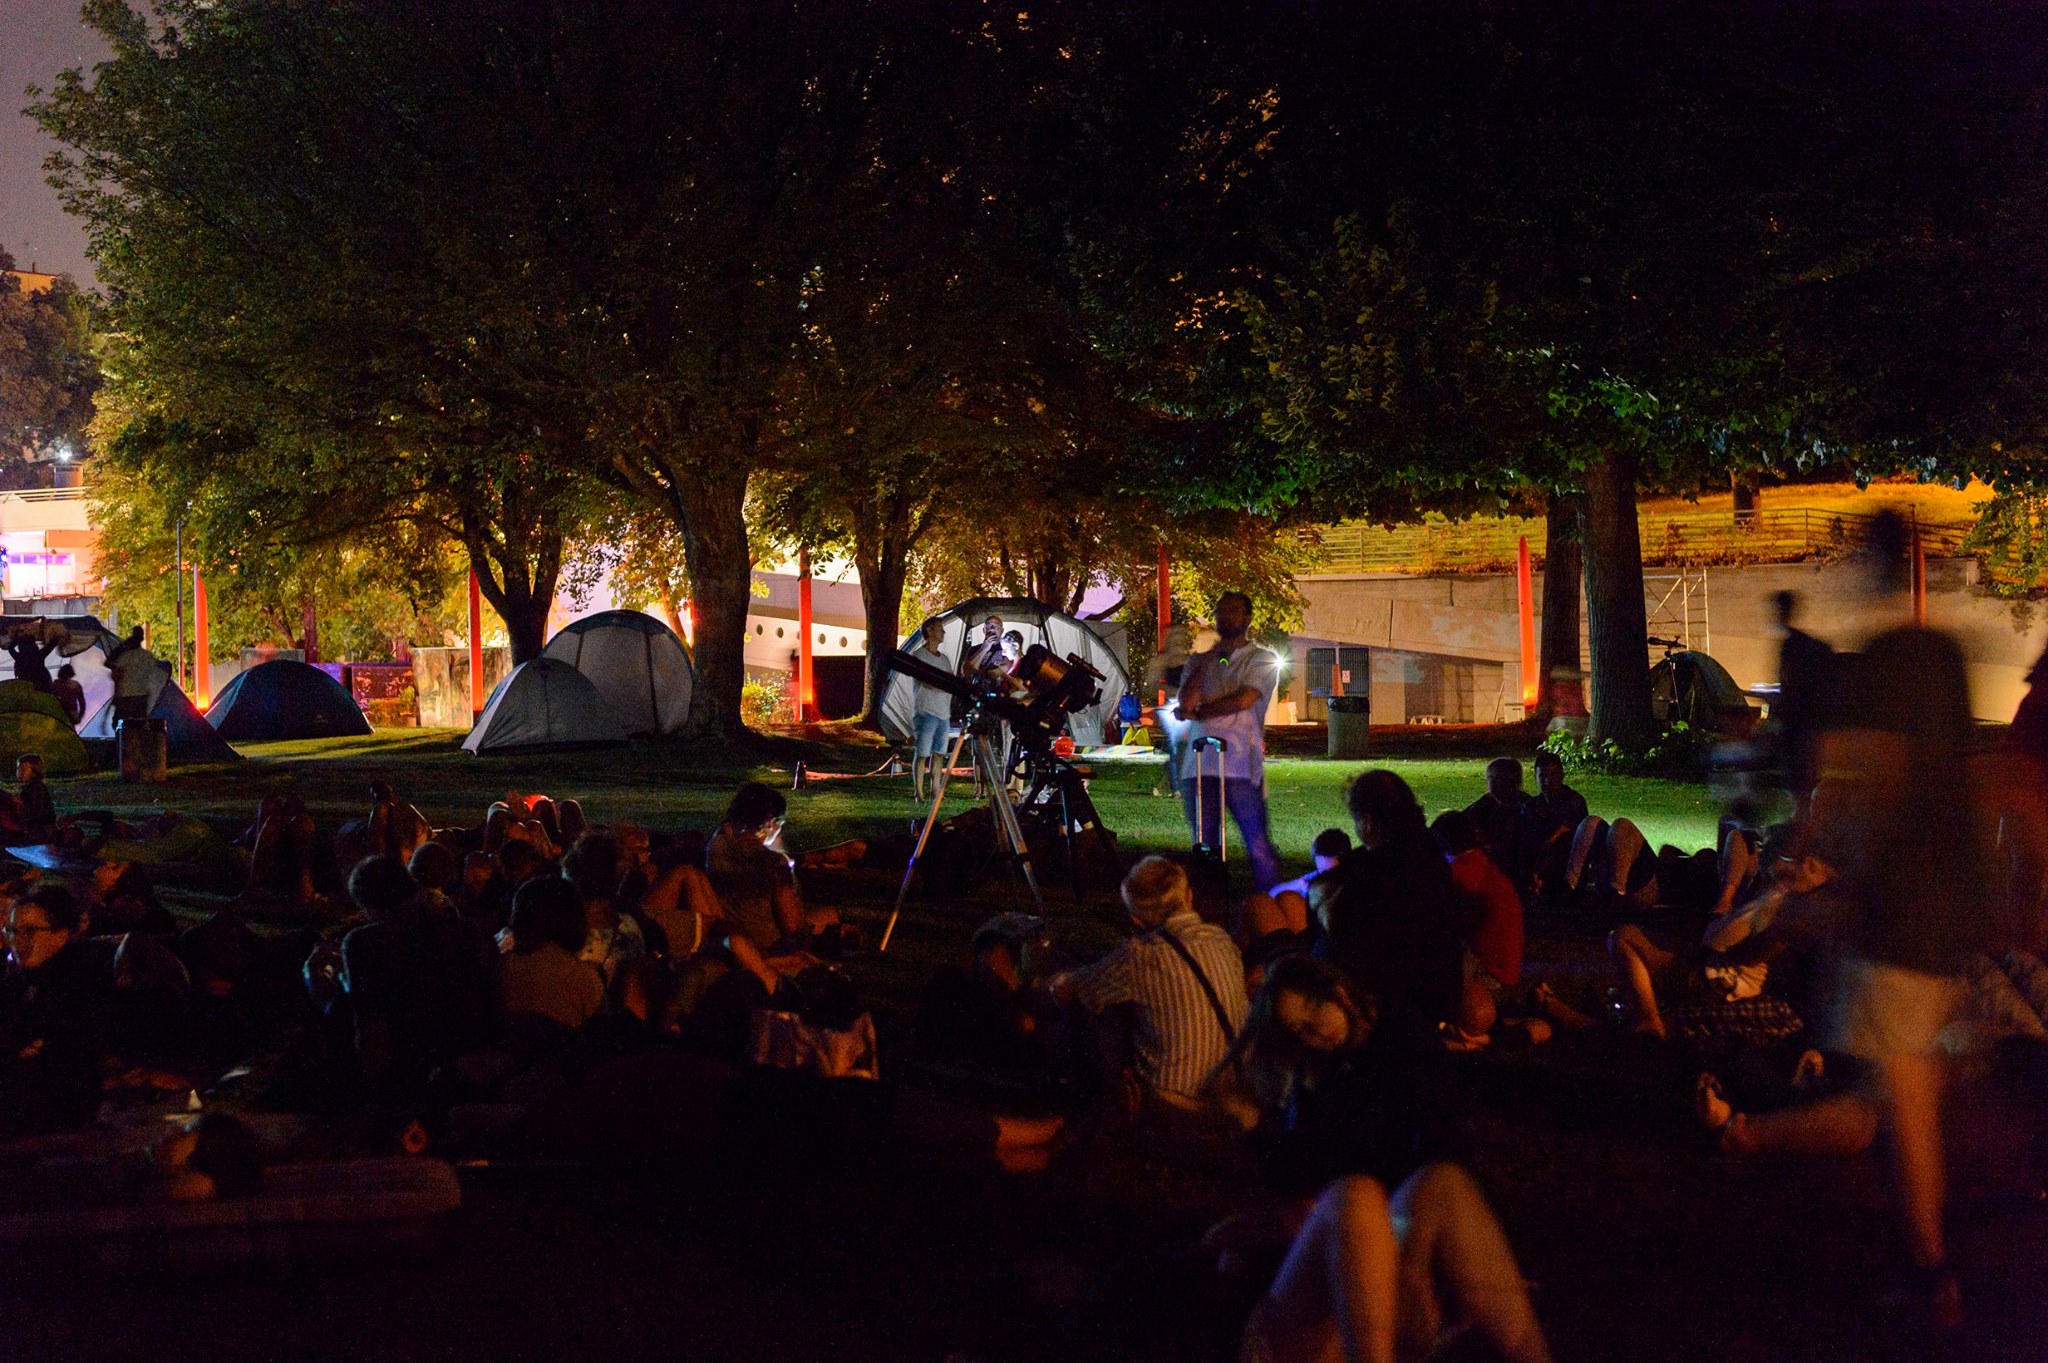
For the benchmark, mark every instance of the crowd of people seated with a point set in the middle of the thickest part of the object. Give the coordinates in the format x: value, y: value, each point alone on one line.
x: 456, y: 987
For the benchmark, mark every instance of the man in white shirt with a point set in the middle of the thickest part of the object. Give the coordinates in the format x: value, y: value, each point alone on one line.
x: 135, y: 677
x: 932, y: 715
x: 1224, y: 693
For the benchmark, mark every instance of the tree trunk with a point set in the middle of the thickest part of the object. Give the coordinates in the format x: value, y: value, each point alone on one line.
x: 1559, y: 690
x: 1618, y: 626
x: 712, y: 507
x: 881, y: 600
x: 517, y: 568
x: 309, y: 630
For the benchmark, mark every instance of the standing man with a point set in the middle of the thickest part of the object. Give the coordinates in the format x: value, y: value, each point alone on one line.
x: 1223, y: 694
x: 135, y: 681
x: 1806, y: 669
x: 932, y: 715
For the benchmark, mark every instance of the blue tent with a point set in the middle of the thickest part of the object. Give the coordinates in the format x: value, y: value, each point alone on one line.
x: 285, y: 698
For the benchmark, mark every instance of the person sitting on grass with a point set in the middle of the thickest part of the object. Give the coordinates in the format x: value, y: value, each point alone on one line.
x: 1389, y: 911
x: 543, y: 976
x: 755, y: 879
x: 1279, y: 923
x: 417, y: 983
x: 282, y: 851
x: 1182, y: 979
x: 1490, y: 920
x: 31, y: 815
x: 1654, y: 968
x: 612, y: 939
x: 1543, y: 834
x: 56, y: 1004
x: 1390, y: 1245
x: 1497, y: 815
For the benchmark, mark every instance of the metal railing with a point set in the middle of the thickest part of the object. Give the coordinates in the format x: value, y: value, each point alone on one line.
x: 1684, y: 539
x: 44, y: 494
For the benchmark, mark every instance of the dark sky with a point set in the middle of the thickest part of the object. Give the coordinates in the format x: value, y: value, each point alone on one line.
x: 38, y: 38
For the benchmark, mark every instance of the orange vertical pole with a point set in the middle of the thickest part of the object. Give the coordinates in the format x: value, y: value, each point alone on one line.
x: 202, y: 650
x: 476, y: 648
x: 806, y: 697
x: 1919, y: 577
x: 1525, y: 607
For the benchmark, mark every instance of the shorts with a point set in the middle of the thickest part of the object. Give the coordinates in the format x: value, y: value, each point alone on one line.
x: 1886, y: 1010
x: 930, y: 732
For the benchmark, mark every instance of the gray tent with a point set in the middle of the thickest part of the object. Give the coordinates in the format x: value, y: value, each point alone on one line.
x: 1039, y: 624
x: 637, y: 664
x: 544, y: 704
x: 187, y: 735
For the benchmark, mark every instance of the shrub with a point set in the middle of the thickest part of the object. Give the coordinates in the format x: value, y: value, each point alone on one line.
x: 764, y: 701
x: 1680, y: 750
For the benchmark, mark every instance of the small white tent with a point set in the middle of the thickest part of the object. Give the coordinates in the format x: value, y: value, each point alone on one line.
x: 637, y: 664
x: 1039, y: 624
x: 541, y: 704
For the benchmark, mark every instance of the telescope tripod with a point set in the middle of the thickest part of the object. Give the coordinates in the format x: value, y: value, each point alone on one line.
x: 995, y: 784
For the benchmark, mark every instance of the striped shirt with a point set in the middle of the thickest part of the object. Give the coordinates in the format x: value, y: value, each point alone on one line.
x: 1176, y: 1041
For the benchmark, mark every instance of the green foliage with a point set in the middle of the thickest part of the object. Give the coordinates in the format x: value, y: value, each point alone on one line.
x: 764, y: 700
x: 2010, y: 541
x: 1679, y: 751
x: 48, y: 371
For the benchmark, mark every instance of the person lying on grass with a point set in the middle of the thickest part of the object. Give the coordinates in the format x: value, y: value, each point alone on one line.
x: 1391, y: 1248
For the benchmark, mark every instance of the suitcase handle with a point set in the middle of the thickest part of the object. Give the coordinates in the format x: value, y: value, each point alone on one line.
x: 1221, y: 745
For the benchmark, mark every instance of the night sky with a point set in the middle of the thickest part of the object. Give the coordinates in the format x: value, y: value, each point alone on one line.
x: 38, y: 38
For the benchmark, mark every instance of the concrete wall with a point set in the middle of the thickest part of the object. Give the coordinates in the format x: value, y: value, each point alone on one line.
x: 1422, y: 628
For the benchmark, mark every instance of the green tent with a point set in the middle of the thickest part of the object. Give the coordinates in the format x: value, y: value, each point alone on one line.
x: 20, y: 697
x: 24, y: 731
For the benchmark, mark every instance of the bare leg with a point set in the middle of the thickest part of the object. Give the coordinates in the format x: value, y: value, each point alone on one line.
x: 1451, y: 1242
x: 1845, y: 1124
x: 1334, y: 1296
x: 1636, y: 959
x: 1476, y: 1011
x: 1912, y: 1087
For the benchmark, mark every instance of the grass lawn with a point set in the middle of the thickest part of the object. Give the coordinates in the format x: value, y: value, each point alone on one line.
x: 669, y: 785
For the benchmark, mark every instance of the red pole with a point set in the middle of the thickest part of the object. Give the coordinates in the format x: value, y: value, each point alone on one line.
x: 1525, y: 605
x: 476, y: 648
x: 202, y: 650
x: 1165, y: 596
x: 806, y: 699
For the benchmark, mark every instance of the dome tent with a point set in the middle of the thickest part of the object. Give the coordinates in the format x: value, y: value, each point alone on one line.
x: 285, y: 698
x: 637, y: 664
x: 187, y: 735
x: 32, y: 731
x: 544, y: 703
x: 1694, y: 687
x: 20, y: 696
x: 1039, y: 624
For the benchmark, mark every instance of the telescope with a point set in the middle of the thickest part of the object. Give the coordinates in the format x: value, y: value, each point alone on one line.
x: 1044, y: 689
x: 1034, y: 699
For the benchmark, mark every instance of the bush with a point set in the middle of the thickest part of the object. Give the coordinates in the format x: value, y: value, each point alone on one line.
x: 764, y: 701
x: 1680, y: 750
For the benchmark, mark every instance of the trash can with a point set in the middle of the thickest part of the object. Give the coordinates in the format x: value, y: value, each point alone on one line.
x: 144, y: 749
x: 1350, y: 722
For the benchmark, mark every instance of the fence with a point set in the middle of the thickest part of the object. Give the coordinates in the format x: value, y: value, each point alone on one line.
x: 1686, y: 539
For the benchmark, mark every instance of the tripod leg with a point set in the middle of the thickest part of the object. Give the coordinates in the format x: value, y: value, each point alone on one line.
x: 923, y: 835
x: 1006, y: 819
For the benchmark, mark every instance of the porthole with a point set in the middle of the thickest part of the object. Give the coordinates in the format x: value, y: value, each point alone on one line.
x: 759, y: 629
x: 778, y: 631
